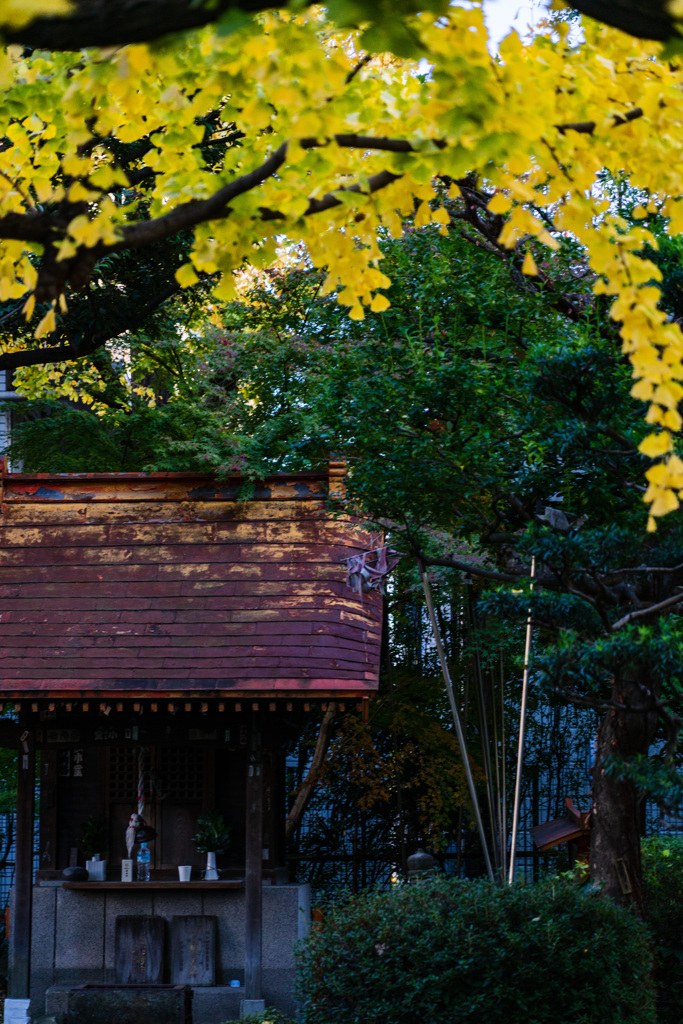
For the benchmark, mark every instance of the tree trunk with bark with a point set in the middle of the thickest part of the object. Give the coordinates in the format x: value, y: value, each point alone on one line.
x: 615, y: 832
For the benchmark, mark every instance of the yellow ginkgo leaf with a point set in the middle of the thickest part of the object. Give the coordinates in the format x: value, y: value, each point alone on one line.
x: 46, y: 325
x: 656, y: 444
x: 379, y: 303
x: 500, y: 203
x: 186, y: 275
x: 529, y: 265
x: 664, y: 503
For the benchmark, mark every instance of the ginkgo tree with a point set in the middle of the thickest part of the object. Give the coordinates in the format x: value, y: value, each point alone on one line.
x: 326, y: 144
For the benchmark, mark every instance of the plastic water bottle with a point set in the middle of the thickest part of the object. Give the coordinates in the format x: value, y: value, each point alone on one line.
x: 144, y: 858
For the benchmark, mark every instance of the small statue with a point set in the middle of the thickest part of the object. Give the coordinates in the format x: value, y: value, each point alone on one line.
x: 133, y: 825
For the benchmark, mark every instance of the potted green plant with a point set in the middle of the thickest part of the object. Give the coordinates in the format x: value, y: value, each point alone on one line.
x: 213, y: 837
x: 93, y: 841
x: 93, y: 837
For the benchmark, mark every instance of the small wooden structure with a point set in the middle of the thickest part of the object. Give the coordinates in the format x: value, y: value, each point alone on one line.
x: 159, y: 630
x: 573, y: 828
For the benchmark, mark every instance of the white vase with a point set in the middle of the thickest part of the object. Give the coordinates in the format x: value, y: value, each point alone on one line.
x: 211, y: 874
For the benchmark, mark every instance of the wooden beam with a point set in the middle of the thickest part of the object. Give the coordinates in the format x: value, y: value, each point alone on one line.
x: 20, y: 932
x: 254, y: 868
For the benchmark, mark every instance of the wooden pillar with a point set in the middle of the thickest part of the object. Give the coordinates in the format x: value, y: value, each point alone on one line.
x: 254, y: 867
x: 20, y: 933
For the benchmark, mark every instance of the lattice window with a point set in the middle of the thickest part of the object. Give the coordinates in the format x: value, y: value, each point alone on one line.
x: 178, y: 774
x: 181, y: 773
x: 123, y: 774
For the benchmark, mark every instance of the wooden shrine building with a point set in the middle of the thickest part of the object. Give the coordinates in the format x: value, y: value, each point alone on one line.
x: 161, y: 640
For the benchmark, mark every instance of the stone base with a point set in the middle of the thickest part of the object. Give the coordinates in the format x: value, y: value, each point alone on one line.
x: 249, y: 1006
x: 216, y: 1004
x: 57, y: 1001
x: 124, y: 1004
x: 210, y: 1005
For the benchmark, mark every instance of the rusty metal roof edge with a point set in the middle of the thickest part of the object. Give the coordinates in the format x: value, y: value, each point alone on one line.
x: 318, y: 474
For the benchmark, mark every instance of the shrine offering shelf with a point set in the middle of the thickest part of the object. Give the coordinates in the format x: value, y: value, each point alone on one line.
x: 146, y: 886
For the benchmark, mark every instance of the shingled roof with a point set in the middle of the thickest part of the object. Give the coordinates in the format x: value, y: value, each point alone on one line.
x: 168, y: 584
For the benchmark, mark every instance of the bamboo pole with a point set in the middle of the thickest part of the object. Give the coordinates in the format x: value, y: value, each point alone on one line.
x: 522, y: 729
x: 504, y: 799
x: 456, y: 718
x: 483, y: 729
x: 502, y: 853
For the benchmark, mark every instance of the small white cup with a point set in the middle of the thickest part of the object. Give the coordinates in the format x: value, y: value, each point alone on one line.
x: 184, y: 872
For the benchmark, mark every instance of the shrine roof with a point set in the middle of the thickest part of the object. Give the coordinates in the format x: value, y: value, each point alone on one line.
x: 170, y: 584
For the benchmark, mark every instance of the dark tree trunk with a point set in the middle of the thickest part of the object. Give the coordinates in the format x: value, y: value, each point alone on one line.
x: 615, y: 819
x: 647, y: 19
x: 116, y: 22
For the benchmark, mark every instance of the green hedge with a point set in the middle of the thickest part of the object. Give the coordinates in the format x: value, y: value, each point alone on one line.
x: 269, y: 1016
x: 445, y: 951
x: 663, y: 887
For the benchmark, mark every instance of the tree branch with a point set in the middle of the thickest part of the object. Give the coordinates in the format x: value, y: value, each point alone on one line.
x: 588, y: 127
x: 359, y: 66
x: 198, y: 211
x: 62, y: 353
x: 474, y: 570
x: 306, y: 792
x: 644, y: 569
x: 117, y: 22
x: 653, y: 609
x: 647, y: 19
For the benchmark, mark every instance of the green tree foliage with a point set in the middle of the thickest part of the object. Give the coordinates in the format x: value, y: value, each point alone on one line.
x: 119, y: 440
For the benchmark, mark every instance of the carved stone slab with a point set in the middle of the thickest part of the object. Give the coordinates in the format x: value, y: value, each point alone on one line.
x: 139, y: 950
x: 193, y: 950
